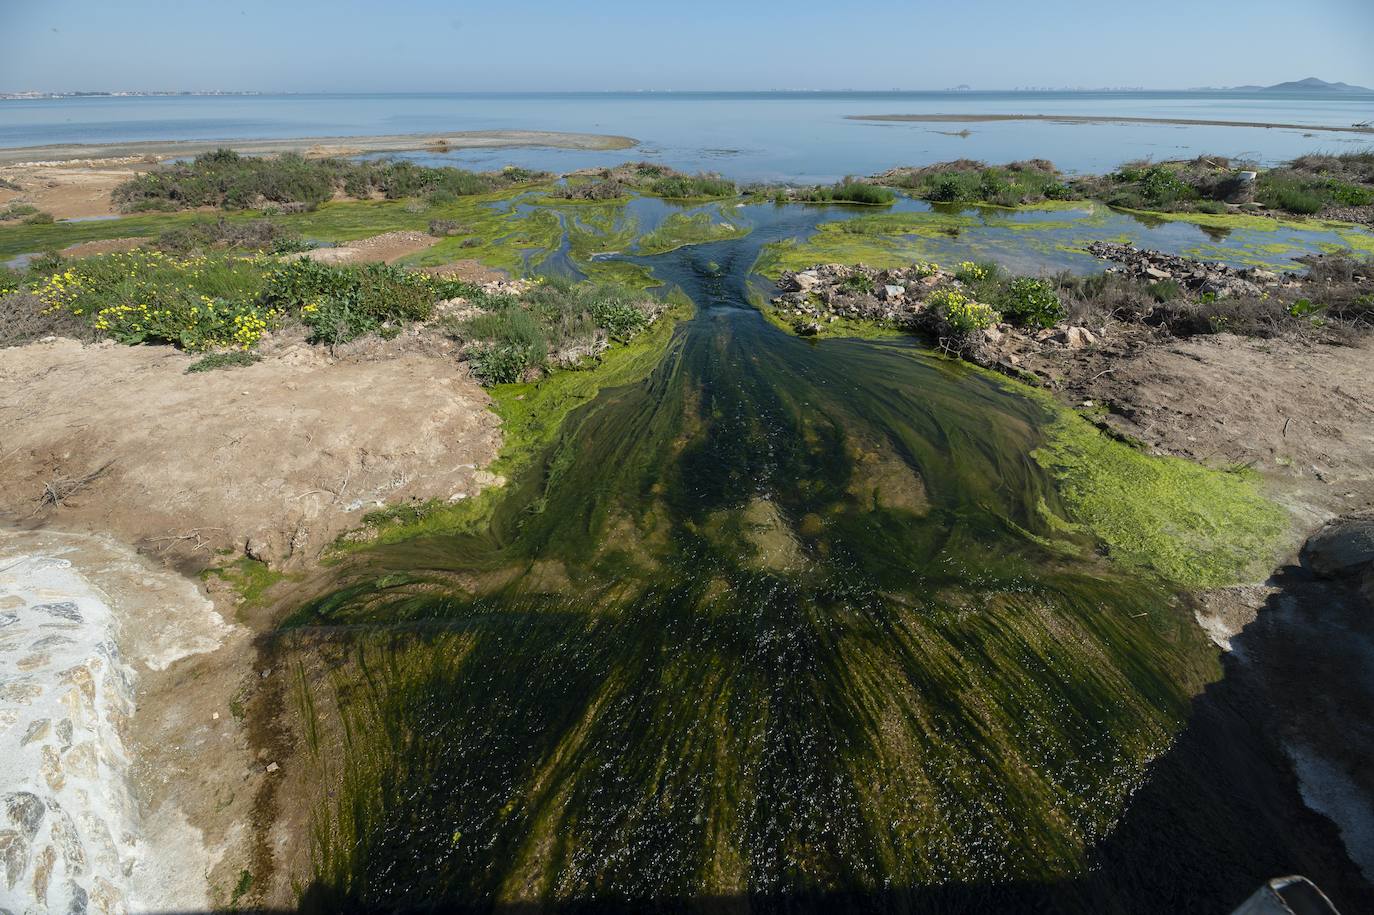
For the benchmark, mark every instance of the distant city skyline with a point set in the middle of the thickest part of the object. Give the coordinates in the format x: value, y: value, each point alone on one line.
x: 615, y: 45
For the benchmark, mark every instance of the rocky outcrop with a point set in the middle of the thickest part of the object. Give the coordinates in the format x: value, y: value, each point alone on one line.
x: 1195, y: 276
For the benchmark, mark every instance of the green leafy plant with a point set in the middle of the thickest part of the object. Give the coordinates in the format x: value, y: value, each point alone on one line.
x: 1030, y: 302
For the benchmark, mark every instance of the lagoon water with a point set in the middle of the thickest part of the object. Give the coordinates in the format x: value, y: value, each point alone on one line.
x: 801, y: 136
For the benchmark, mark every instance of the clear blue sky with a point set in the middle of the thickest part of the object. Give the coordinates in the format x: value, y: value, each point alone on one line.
x: 425, y: 45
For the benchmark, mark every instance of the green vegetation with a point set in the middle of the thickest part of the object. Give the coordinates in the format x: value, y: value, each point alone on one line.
x: 339, y: 304
x: 960, y: 314
x: 195, y: 303
x: 847, y: 191
x: 19, y: 211
x: 234, y: 359
x: 692, y: 187
x: 557, y: 321
x: 1195, y: 527
x: 681, y: 229
x: 1030, y: 302
x: 1303, y: 187
x: 248, y: 577
x: 968, y: 181
x: 226, y: 179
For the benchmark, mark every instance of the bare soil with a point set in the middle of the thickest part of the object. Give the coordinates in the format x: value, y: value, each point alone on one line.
x: 388, y: 248
x: 70, y: 190
x: 289, y: 452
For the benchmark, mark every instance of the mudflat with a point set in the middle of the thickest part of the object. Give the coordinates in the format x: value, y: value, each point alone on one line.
x: 320, y: 146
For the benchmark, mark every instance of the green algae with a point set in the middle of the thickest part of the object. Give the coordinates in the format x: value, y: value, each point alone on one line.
x: 681, y: 229
x: 1193, y: 526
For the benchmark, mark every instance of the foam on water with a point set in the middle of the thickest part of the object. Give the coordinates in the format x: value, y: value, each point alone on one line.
x: 80, y: 619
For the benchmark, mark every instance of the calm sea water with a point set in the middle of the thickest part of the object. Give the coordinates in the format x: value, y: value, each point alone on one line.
x: 747, y: 136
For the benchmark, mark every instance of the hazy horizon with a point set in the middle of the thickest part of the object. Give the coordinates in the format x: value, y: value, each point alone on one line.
x: 537, y: 46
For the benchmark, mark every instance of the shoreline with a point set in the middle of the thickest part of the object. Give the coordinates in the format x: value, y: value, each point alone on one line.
x: 315, y: 147
x: 1095, y: 119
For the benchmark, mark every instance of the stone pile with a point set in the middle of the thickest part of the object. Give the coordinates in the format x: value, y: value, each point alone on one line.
x: 1193, y: 275
x: 828, y: 292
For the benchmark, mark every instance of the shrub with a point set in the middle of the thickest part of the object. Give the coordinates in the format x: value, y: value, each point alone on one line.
x: 1030, y: 303
x: 960, y: 314
x: 38, y: 219
x: 251, y: 235
x: 226, y: 179
x: 504, y: 363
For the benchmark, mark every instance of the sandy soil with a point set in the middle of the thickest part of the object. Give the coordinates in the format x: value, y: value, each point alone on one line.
x: 388, y: 247
x: 318, y: 146
x: 288, y: 452
x: 72, y: 190
x: 1080, y: 119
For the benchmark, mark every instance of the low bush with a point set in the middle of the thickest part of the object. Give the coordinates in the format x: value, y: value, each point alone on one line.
x: 860, y: 283
x: 1030, y: 302
x: 253, y: 235
x: 968, y: 181
x: 24, y: 318
x: 692, y: 186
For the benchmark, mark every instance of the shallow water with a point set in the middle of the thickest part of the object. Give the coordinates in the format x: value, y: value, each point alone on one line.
x: 801, y: 136
x: 781, y: 619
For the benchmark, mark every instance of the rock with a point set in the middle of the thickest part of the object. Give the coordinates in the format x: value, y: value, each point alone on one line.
x: 804, y: 281
x: 891, y: 293
x: 258, y: 547
x: 1076, y: 337
x: 272, y: 767
x: 807, y: 329
x: 14, y: 855
x: 1155, y: 273
x: 992, y: 336
x: 1343, y: 547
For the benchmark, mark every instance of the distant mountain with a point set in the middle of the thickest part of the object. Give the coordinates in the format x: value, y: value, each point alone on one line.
x: 1311, y: 84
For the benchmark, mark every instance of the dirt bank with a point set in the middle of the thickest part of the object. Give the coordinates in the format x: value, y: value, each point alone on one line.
x: 317, y: 146
x: 287, y: 453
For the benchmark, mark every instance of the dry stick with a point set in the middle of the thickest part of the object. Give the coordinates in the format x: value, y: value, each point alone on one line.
x: 192, y: 534
x: 1286, y: 421
x: 59, y: 489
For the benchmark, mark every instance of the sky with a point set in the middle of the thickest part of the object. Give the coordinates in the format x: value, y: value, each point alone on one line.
x: 537, y: 45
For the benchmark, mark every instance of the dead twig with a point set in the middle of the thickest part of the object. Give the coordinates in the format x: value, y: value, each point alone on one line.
x: 193, y: 534
x: 60, y: 489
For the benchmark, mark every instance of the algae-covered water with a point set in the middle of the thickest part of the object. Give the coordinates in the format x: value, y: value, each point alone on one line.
x: 782, y: 619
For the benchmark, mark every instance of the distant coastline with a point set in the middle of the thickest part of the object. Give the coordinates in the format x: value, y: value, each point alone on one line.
x: 1098, y: 119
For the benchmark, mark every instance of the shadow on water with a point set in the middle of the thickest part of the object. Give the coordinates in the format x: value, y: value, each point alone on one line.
x: 782, y: 628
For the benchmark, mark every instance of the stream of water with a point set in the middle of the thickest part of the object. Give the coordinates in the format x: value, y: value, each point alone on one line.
x: 782, y: 619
